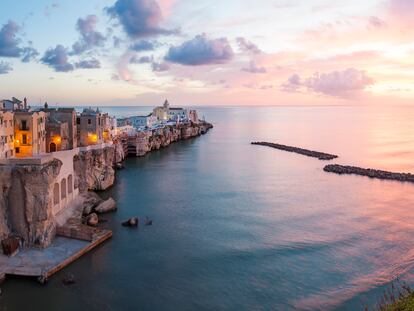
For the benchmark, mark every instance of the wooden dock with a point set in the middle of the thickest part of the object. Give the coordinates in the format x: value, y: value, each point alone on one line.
x: 43, y: 263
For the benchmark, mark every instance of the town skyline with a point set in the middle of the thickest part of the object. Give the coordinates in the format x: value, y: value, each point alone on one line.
x: 134, y: 52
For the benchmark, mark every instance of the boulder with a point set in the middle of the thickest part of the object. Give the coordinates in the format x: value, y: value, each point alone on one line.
x: 132, y: 222
x: 92, y: 220
x: 91, y: 199
x: 106, y: 206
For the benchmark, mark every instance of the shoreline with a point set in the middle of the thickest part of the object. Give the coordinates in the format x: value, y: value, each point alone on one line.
x: 94, y: 171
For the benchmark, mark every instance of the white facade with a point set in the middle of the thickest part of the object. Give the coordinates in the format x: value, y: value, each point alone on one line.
x: 143, y: 121
x: 178, y: 114
x: 64, y: 191
x: 6, y: 134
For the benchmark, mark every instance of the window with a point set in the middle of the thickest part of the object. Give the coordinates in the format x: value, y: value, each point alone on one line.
x: 24, y: 139
x: 17, y: 150
x: 24, y: 125
x: 63, y: 189
x: 70, y: 184
x: 55, y: 193
x: 89, y: 121
x: 77, y: 120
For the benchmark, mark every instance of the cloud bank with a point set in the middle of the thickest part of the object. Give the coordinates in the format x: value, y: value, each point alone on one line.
x: 201, y: 51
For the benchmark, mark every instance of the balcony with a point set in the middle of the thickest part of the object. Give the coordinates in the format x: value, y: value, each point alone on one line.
x: 24, y: 128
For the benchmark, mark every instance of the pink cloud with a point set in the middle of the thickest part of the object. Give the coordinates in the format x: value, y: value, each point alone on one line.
x: 347, y: 83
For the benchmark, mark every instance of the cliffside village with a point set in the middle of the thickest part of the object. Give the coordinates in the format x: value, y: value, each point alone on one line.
x: 26, y: 132
x: 51, y: 161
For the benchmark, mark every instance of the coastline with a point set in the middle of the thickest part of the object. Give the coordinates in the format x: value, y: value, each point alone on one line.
x: 95, y: 170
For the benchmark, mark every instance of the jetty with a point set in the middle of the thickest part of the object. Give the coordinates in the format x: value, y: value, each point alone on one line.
x: 368, y: 172
x: 70, y: 244
x: 309, y: 153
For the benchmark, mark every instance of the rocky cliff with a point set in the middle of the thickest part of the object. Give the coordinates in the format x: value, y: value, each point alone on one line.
x: 94, y: 169
x: 145, y: 142
x: 26, y: 202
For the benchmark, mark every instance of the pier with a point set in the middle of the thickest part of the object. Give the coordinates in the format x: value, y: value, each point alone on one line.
x: 43, y: 263
x: 309, y: 153
x: 368, y: 172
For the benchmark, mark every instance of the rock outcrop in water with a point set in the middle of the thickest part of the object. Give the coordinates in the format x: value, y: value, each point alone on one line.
x: 372, y: 173
x: 309, y: 153
x: 144, y: 142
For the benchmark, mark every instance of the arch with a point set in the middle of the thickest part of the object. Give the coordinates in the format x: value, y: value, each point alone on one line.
x: 70, y: 184
x: 56, y: 194
x: 52, y: 147
x: 63, y: 189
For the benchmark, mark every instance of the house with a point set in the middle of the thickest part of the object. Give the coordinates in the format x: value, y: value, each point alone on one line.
x: 29, y: 133
x: 6, y: 134
x: 13, y: 104
x: 67, y: 115
x: 143, y: 121
x: 122, y: 122
x: 57, y: 135
x: 109, y: 127
x: 178, y: 114
x: 90, y: 127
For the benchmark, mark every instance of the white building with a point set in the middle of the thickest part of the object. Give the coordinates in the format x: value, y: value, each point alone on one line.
x: 178, y: 114
x: 6, y: 134
x: 143, y: 121
x: 13, y: 104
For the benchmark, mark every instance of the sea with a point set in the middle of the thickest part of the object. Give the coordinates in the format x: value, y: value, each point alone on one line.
x: 244, y: 227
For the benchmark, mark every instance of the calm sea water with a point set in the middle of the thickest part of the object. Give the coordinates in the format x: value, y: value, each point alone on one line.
x: 242, y: 227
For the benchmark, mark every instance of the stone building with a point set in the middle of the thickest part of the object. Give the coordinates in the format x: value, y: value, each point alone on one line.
x: 90, y: 127
x: 193, y: 116
x: 162, y: 112
x: 6, y: 134
x: 29, y: 133
x: 109, y: 127
x: 57, y: 135
x: 66, y: 115
x: 13, y: 104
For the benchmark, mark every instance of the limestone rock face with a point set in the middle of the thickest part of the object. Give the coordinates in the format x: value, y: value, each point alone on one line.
x: 119, y: 153
x: 5, y: 184
x: 27, y: 193
x: 145, y: 142
x: 94, y: 169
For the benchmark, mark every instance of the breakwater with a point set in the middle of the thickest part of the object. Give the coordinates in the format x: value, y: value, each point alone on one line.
x: 309, y: 153
x: 368, y: 172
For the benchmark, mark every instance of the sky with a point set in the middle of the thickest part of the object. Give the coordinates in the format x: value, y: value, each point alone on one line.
x: 208, y: 52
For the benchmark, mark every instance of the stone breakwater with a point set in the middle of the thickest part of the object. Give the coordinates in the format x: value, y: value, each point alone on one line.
x: 147, y: 141
x: 309, y: 153
x: 372, y: 173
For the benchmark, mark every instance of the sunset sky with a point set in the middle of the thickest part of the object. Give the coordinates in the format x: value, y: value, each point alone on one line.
x: 208, y: 52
